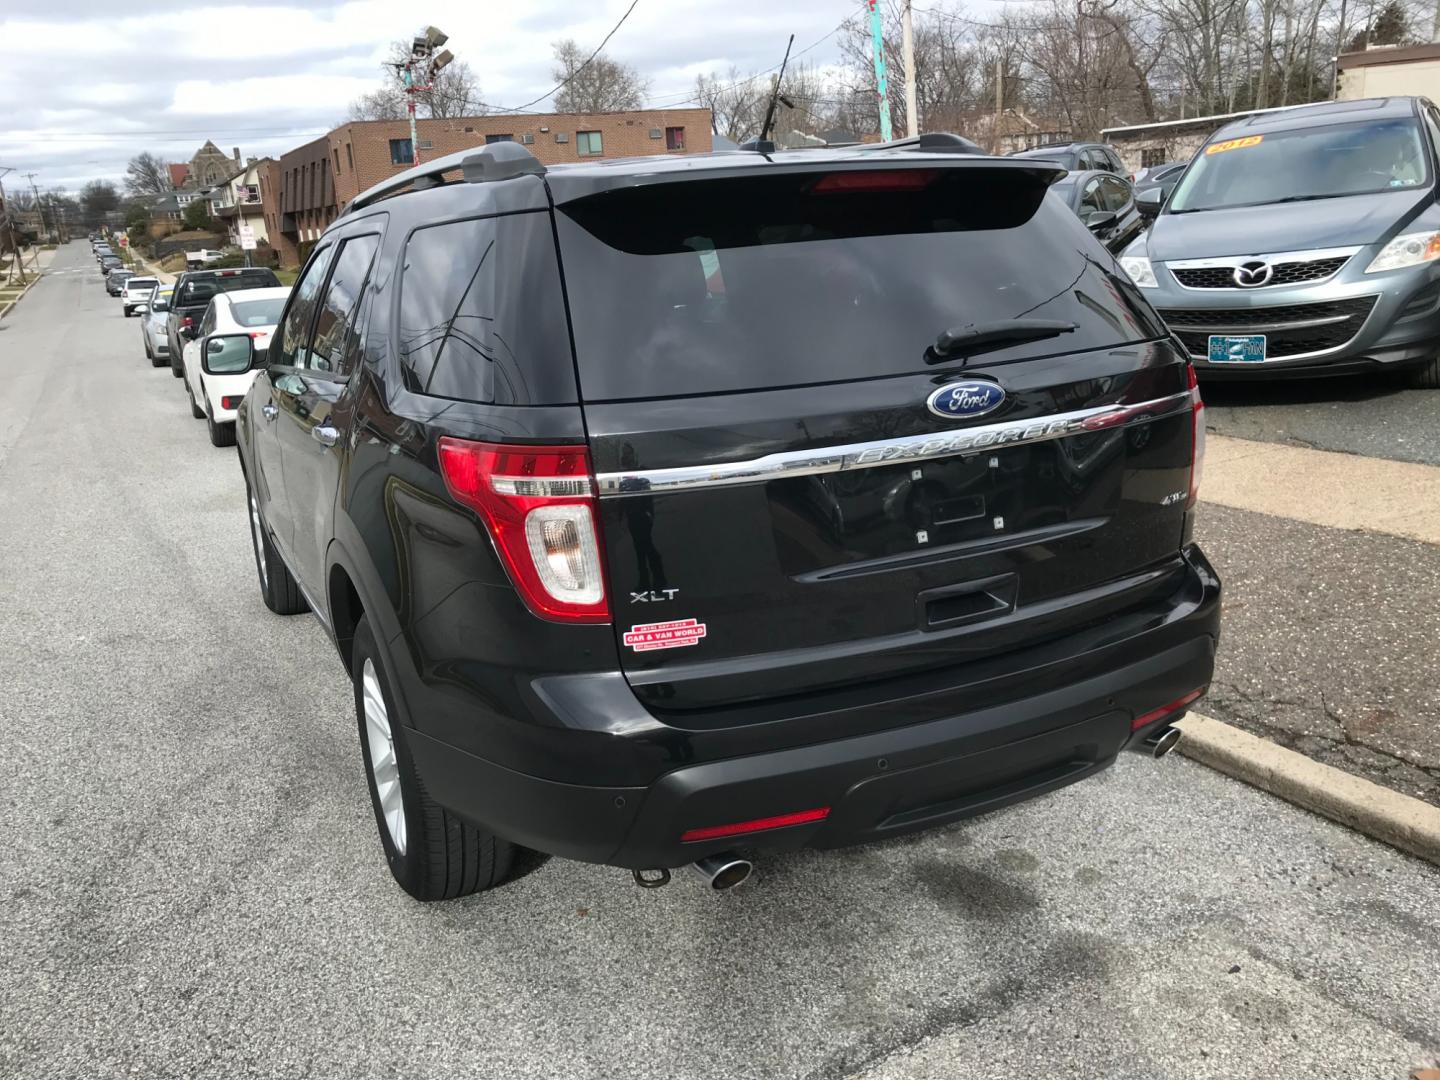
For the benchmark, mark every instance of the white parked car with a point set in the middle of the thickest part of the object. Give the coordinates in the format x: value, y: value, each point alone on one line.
x: 220, y: 364
x: 195, y: 259
x: 136, y: 291
x: 152, y: 326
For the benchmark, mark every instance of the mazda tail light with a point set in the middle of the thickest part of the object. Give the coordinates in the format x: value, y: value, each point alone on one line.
x: 1197, y: 437
x: 539, y: 505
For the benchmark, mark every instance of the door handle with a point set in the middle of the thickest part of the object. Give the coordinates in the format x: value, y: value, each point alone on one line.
x: 270, y: 411
x: 325, y: 435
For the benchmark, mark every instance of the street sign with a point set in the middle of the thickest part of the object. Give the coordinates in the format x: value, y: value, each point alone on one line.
x: 247, y: 237
x: 124, y: 240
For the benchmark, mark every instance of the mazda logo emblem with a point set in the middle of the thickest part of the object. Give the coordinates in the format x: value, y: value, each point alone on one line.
x: 1250, y: 275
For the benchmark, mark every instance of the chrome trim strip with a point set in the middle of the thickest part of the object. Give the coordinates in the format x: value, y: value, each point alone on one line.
x: 869, y: 455
x: 1259, y: 328
x: 1205, y: 359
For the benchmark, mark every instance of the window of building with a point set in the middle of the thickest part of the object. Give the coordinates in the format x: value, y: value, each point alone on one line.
x: 350, y: 156
x: 498, y: 138
x: 401, y: 153
x: 589, y: 143
x: 674, y: 138
x: 1152, y: 156
x: 481, y: 313
x: 337, y: 161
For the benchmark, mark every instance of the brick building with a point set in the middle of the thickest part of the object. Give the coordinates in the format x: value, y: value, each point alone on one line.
x: 309, y: 186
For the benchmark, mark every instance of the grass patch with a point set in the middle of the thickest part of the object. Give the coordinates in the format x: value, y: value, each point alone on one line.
x: 287, y: 277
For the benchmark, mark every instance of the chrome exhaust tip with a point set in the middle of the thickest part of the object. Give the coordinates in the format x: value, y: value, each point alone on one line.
x: 723, y: 871
x: 1162, y: 742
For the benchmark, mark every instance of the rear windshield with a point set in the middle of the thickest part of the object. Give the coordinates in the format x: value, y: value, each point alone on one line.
x: 197, y: 289
x: 741, y: 284
x: 258, y: 312
x: 1298, y: 166
x: 141, y: 283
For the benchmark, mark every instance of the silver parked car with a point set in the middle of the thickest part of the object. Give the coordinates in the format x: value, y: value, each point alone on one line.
x: 1304, y: 242
x: 152, y: 326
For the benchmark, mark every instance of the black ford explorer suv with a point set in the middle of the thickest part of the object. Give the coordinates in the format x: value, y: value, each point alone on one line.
x: 665, y: 507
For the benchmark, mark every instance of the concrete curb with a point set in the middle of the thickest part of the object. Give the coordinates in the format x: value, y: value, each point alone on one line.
x: 1409, y: 824
x: 10, y: 304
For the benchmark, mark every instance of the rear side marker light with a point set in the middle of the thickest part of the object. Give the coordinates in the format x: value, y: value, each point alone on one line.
x: 1178, y: 705
x: 538, y: 503
x: 740, y: 828
x: 1197, y: 438
x: 231, y: 402
x: 875, y: 180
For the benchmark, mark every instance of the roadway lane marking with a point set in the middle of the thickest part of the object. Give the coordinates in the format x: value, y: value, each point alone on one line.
x: 1342, y: 491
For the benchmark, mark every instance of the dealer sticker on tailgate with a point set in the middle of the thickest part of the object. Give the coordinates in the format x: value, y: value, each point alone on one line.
x: 675, y: 634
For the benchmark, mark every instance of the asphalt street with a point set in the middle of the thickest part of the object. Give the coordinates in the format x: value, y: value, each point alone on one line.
x: 191, y: 886
x: 1375, y: 415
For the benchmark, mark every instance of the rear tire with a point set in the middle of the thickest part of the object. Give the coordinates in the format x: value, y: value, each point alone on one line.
x: 220, y: 434
x: 149, y: 352
x: 1427, y: 375
x: 432, y: 854
x: 158, y: 361
x: 277, y: 587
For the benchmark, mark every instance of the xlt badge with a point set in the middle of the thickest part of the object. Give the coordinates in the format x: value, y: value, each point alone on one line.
x: 654, y: 596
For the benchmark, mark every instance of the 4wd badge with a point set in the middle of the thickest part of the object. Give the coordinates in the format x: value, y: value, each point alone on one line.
x: 675, y: 634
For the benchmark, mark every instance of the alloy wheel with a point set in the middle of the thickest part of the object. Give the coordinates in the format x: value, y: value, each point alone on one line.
x: 383, y: 766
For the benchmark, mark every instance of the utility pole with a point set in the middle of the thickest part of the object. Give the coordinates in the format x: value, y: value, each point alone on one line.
x: 882, y: 89
x: 7, y: 229
x: 907, y: 50
x: 418, y: 74
x: 39, y: 206
x: 999, y: 102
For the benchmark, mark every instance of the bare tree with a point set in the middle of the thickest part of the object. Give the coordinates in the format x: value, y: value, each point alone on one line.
x: 146, y: 175
x: 597, y: 86
x: 99, y: 196
x: 454, y: 91
x: 736, y: 102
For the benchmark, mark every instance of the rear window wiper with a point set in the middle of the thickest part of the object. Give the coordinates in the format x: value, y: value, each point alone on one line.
x: 982, y: 337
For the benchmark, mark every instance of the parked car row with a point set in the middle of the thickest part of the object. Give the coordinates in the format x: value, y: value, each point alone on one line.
x: 212, y: 328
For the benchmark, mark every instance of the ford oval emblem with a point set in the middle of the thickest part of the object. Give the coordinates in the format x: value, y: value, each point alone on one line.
x: 962, y: 400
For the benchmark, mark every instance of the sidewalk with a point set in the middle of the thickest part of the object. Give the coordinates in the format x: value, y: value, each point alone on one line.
x: 1331, y: 565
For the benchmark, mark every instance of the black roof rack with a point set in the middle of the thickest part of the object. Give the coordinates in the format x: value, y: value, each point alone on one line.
x: 932, y: 142
x: 478, y: 165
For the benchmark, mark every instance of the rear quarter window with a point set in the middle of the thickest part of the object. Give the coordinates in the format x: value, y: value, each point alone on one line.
x: 482, y: 314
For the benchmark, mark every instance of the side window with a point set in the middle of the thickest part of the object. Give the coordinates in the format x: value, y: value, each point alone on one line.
x: 336, y: 320
x: 1088, y: 161
x: 1116, y: 193
x: 207, y: 324
x: 1116, y: 165
x: 1091, y: 201
x: 481, y: 313
x: 295, y: 331
x: 1432, y: 121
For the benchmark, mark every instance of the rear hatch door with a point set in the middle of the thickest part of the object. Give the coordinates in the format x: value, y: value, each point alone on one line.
x: 797, y: 490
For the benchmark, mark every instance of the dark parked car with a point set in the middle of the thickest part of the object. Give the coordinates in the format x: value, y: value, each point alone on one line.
x: 1079, y: 157
x: 109, y: 263
x: 1162, y: 178
x: 193, y: 290
x: 115, y: 280
x: 658, y: 508
x: 1105, y: 203
x: 1304, y: 242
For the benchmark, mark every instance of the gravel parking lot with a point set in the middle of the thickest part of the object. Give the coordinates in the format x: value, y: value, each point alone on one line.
x: 192, y: 887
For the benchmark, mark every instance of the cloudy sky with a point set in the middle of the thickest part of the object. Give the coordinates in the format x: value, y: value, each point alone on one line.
x: 85, y: 84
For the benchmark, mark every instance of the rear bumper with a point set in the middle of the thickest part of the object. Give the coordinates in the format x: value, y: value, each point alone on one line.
x: 876, y: 785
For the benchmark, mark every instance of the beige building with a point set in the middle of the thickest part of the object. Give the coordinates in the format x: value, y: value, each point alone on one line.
x: 1389, y: 71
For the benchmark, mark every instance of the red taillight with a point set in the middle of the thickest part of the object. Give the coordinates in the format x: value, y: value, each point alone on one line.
x: 781, y: 821
x: 1197, y: 437
x: 876, y: 180
x: 1178, y: 705
x: 539, y: 504
x: 187, y: 322
x: 232, y: 402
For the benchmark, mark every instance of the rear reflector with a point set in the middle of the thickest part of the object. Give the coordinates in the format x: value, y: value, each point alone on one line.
x: 1178, y: 705
x: 1197, y: 438
x: 715, y: 832
x: 232, y: 402
x: 538, y: 502
x: 876, y: 180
